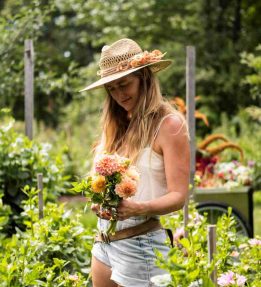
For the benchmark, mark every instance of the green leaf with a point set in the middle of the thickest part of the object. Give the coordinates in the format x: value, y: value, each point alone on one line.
x: 185, y: 242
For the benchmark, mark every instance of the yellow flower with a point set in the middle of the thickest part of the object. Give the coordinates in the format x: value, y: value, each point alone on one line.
x: 98, y: 183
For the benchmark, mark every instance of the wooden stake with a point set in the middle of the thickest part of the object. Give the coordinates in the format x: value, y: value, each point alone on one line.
x: 190, y: 106
x: 40, y: 194
x: 29, y: 87
x: 212, y: 250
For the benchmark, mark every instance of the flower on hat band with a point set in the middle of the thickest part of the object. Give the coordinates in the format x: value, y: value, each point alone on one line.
x: 140, y: 60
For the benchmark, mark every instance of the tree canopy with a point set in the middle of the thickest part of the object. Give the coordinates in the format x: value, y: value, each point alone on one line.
x: 68, y: 36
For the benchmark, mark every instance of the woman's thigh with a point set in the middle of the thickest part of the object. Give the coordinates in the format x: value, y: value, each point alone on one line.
x: 101, y: 274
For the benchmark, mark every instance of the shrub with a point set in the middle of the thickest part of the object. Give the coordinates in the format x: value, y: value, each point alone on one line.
x: 20, y: 161
x: 53, y: 251
x: 187, y: 262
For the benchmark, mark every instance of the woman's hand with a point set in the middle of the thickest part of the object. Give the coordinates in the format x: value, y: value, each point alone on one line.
x: 100, y: 212
x: 128, y: 208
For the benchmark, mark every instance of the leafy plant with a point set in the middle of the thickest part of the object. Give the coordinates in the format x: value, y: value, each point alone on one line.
x: 53, y: 251
x: 187, y: 262
x: 253, y: 61
x: 20, y: 161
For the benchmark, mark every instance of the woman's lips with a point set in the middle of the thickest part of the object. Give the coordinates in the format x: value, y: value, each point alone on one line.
x: 125, y: 101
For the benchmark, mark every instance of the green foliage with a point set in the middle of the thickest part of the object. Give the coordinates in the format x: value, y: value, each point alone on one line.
x: 68, y: 35
x: 20, y: 162
x: 187, y: 262
x: 5, y: 212
x: 253, y: 61
x: 53, y: 251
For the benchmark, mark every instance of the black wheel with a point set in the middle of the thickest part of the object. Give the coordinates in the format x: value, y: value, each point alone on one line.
x: 215, y: 210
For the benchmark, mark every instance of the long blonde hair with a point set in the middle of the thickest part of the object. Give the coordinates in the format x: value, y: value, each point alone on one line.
x: 129, y: 136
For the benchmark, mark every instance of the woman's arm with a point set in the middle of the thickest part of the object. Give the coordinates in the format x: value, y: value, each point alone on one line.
x: 173, y: 142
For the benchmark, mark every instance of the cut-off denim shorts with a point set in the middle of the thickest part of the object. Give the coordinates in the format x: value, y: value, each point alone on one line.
x: 132, y: 260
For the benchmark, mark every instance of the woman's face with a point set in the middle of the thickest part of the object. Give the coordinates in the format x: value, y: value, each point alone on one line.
x: 125, y: 91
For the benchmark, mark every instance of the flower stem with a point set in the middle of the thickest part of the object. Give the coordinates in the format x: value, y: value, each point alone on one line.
x: 112, y: 227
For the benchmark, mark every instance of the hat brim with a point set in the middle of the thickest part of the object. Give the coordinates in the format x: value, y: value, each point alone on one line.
x: 155, y: 67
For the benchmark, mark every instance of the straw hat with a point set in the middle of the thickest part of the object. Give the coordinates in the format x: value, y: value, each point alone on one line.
x: 124, y: 57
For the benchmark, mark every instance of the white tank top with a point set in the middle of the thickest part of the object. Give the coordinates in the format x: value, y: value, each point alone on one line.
x: 152, y: 183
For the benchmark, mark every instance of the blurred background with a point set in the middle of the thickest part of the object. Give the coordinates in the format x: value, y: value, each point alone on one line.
x: 68, y: 36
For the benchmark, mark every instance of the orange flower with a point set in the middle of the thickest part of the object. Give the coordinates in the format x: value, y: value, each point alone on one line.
x: 123, y: 164
x: 98, y: 184
x: 126, y: 188
x: 156, y: 53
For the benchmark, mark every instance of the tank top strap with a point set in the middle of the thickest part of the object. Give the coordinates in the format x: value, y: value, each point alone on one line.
x: 161, y: 121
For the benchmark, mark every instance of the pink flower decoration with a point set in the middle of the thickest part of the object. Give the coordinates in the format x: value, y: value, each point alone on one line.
x: 106, y: 165
x: 126, y: 188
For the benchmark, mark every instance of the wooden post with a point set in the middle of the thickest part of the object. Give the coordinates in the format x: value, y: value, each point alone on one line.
x: 40, y: 194
x: 212, y: 250
x: 190, y: 106
x: 29, y: 87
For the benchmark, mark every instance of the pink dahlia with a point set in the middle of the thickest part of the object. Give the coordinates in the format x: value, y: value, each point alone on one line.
x: 106, y: 165
x: 126, y: 188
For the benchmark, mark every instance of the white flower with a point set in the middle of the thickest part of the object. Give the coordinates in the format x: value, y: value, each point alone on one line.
x: 197, y: 283
x: 161, y: 280
x: 54, y: 168
x: 45, y: 149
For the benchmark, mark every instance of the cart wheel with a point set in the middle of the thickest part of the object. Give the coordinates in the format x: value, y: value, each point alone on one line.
x: 215, y: 210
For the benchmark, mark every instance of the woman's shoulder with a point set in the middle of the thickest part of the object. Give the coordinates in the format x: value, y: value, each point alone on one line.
x: 172, y: 123
x: 172, y: 131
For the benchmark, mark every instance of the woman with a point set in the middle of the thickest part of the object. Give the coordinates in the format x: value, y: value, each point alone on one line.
x: 138, y: 124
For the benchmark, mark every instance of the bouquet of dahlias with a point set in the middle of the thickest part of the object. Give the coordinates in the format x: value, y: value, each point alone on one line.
x: 114, y: 179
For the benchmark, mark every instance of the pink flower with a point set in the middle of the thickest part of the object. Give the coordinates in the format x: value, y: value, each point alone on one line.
x: 106, y: 165
x: 254, y: 242
x: 126, y: 188
x: 241, y: 280
x: 230, y: 278
x: 226, y: 279
x: 179, y: 233
x: 234, y: 253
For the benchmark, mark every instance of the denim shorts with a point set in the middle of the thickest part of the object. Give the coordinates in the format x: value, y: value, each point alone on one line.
x: 132, y: 260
